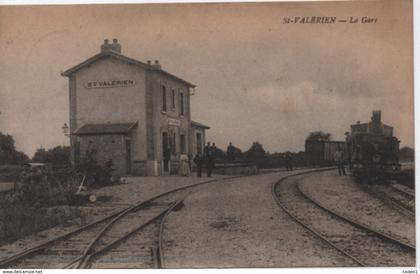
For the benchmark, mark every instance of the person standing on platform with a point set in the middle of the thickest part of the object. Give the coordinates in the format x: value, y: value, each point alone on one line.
x: 210, y: 158
x: 213, y: 155
x: 190, y: 158
x: 207, y: 151
x: 184, y: 168
x: 339, y: 159
x: 198, y: 160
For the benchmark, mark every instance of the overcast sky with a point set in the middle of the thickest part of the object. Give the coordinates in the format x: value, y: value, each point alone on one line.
x: 257, y: 78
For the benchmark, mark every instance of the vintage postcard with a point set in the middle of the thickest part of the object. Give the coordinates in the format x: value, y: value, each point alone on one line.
x: 207, y: 135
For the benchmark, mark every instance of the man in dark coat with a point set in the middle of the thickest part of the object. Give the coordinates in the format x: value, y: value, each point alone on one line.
x: 198, y: 160
x: 207, y: 149
x: 210, y: 158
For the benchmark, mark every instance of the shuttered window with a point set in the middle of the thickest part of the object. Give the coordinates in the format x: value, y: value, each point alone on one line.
x: 163, y: 98
x: 181, y: 103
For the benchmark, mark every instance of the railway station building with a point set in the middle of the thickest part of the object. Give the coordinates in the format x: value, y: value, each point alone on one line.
x: 134, y: 114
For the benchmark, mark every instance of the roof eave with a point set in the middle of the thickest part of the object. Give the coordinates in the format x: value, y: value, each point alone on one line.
x: 75, y: 68
x: 199, y: 125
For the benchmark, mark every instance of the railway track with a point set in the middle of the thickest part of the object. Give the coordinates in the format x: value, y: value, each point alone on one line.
x: 363, y: 246
x: 400, y: 200
x: 405, y: 192
x: 114, y: 234
x: 86, y: 246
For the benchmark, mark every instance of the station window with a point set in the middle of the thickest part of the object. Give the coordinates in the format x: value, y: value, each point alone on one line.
x: 173, y: 99
x: 183, y: 144
x: 181, y: 101
x: 172, y: 142
x: 163, y: 98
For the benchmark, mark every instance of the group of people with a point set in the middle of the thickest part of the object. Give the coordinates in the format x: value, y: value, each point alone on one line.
x: 206, y: 160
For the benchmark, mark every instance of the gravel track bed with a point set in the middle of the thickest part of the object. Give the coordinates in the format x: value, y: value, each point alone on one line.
x: 133, y: 253
x: 400, y: 198
x: 237, y: 223
x: 344, y: 195
x: 402, y: 188
x: 361, y: 244
x: 136, y: 250
x: 89, y: 215
x: 60, y: 254
x: 119, y: 197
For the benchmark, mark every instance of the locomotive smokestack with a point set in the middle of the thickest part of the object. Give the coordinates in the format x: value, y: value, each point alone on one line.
x: 376, y: 122
x: 376, y: 116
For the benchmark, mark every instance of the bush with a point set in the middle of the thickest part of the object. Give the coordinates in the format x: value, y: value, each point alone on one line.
x: 10, y: 173
x: 23, y: 211
x: 96, y: 175
x: 38, y: 188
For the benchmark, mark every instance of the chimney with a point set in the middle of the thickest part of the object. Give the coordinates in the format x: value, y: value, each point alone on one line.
x: 105, y: 45
x: 157, y: 65
x: 115, y: 46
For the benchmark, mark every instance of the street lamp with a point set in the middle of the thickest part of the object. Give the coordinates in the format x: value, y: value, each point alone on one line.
x: 66, y: 130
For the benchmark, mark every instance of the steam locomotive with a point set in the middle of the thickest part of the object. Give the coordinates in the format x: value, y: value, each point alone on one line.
x: 373, y: 150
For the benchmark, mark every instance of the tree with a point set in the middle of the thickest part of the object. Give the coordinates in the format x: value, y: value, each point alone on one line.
x: 256, y: 152
x: 8, y: 152
x: 58, y: 155
x: 318, y: 136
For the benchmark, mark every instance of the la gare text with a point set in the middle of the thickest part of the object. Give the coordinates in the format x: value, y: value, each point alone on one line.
x: 329, y: 20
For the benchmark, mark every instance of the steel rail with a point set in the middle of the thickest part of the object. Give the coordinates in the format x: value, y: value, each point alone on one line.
x: 83, y: 260
x: 354, y: 222
x: 86, y: 259
x: 38, y: 248
x: 4, y: 263
x: 400, y: 207
x: 32, y: 251
x: 297, y: 220
x: 89, y: 248
x: 387, y: 199
x: 160, y: 258
x: 411, y: 195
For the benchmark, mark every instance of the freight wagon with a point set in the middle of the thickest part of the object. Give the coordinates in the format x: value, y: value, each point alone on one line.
x: 321, y: 153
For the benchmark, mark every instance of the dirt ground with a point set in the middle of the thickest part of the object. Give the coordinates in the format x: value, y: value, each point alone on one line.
x: 238, y: 224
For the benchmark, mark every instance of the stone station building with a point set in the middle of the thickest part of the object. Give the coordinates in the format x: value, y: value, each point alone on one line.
x: 132, y: 113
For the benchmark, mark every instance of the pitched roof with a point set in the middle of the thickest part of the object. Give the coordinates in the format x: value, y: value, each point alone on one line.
x: 196, y: 124
x: 108, y: 128
x: 123, y: 58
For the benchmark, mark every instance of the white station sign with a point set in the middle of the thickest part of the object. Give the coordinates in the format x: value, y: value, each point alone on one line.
x: 174, y: 122
x: 121, y: 83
